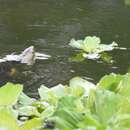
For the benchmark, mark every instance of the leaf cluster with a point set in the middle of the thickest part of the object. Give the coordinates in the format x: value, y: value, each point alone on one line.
x: 91, y: 48
x: 81, y: 105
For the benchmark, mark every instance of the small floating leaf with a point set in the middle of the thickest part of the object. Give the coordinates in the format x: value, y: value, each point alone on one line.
x: 106, y: 58
x: 78, y: 58
x: 76, y: 44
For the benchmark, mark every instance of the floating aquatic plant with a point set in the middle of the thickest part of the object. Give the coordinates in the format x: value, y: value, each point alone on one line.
x: 80, y: 105
x: 91, y: 47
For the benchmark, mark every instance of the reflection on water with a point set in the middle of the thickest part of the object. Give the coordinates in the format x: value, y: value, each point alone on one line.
x: 49, y: 26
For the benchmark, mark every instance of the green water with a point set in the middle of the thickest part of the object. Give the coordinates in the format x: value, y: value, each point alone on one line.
x: 50, y: 24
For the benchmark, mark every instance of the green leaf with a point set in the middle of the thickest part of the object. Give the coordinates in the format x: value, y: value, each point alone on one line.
x: 67, y: 101
x: 76, y: 44
x: 70, y: 118
x: 58, y: 90
x: 106, y: 105
x: 110, y: 82
x: 25, y: 100
x: 48, y: 112
x: 90, y: 122
x: 10, y: 93
x: 11, y: 110
x: 90, y: 44
x: 124, y: 86
x: 62, y: 124
x: 78, y: 58
x: 106, y: 58
x: 33, y: 124
x: 90, y: 101
x: 44, y: 92
x: 28, y: 111
x: 80, y: 86
x: 7, y: 120
x: 123, y: 120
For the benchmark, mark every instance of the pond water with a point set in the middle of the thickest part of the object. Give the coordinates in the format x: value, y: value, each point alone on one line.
x: 49, y: 25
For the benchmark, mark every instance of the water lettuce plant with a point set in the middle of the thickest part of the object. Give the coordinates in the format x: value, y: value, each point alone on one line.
x: 80, y: 105
x: 91, y: 47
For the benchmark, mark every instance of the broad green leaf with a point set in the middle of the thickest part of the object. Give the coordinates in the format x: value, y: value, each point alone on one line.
x: 121, y: 121
x: 90, y: 101
x: 67, y: 101
x: 47, y: 95
x: 110, y: 82
x: 106, y: 105
x: 90, y: 44
x: 10, y: 93
x: 79, y: 106
x: 48, y: 112
x: 7, y: 120
x: 90, y: 122
x: 11, y: 110
x: 70, y: 117
x: 33, y: 124
x: 58, y: 90
x: 124, y: 86
x: 80, y: 86
x: 44, y: 92
x: 71, y: 102
x: 124, y: 102
x: 62, y: 124
x: 25, y: 100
